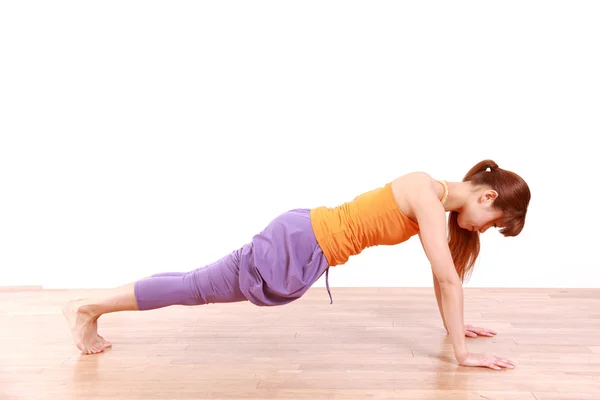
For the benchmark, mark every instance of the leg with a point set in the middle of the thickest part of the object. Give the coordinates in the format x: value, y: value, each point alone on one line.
x: 82, y: 315
x: 167, y: 274
x: 214, y: 283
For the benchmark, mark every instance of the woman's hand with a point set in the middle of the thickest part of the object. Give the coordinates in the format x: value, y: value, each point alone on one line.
x: 474, y: 331
x: 484, y: 360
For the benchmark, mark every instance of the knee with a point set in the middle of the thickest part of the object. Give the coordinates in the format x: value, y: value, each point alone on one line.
x: 193, y: 282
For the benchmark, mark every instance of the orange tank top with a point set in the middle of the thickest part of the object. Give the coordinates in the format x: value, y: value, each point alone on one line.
x: 371, y: 219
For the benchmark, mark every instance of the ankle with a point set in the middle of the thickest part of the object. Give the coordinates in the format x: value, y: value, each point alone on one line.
x: 89, y: 311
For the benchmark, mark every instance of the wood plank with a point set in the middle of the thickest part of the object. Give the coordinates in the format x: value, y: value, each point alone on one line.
x: 373, y: 343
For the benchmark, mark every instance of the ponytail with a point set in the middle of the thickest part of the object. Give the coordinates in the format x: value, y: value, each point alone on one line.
x: 513, y: 200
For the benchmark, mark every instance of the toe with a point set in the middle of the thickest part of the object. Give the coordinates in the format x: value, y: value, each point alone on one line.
x: 83, y: 348
x: 99, y: 345
x: 103, y: 342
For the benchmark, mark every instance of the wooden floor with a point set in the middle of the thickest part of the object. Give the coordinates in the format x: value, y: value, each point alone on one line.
x: 370, y: 344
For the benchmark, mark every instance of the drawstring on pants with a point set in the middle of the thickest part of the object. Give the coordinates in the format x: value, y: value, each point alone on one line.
x: 327, y: 284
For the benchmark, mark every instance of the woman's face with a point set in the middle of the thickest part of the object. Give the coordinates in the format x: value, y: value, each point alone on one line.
x: 479, y: 213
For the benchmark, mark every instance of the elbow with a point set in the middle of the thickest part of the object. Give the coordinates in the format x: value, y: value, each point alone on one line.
x: 451, y: 289
x: 450, y: 283
x: 446, y: 274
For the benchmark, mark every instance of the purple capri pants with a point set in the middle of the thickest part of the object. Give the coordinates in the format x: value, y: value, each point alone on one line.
x: 277, y: 267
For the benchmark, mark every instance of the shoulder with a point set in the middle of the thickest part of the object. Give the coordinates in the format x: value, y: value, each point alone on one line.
x: 414, y: 184
x: 416, y: 191
x: 418, y: 178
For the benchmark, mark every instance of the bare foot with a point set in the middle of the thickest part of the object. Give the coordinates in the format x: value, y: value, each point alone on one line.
x: 105, y: 343
x: 83, y: 327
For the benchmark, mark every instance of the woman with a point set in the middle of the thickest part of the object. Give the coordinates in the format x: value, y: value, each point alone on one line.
x: 284, y: 260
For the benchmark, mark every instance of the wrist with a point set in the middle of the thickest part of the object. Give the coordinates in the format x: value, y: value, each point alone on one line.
x: 461, y: 356
x: 461, y: 353
x: 459, y: 344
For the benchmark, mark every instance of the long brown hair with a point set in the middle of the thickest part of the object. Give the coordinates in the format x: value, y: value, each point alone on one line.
x: 513, y: 199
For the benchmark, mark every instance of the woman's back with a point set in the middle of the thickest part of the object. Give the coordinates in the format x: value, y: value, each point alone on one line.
x: 371, y: 219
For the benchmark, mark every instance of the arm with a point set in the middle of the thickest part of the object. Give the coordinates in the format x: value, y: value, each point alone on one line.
x: 438, y: 294
x: 431, y: 217
x: 438, y: 297
x: 470, y: 330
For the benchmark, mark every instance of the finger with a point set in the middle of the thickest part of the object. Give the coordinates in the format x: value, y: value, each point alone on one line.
x: 504, y: 364
x: 494, y: 366
x: 470, y: 334
x: 482, y: 330
x: 504, y: 360
x: 509, y: 362
x: 486, y: 332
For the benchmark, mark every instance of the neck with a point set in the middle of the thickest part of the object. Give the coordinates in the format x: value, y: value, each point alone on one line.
x: 458, y: 193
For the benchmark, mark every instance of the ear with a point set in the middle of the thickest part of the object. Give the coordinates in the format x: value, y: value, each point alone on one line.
x: 489, y: 196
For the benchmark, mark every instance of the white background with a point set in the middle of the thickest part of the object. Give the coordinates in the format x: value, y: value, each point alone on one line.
x: 144, y: 136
